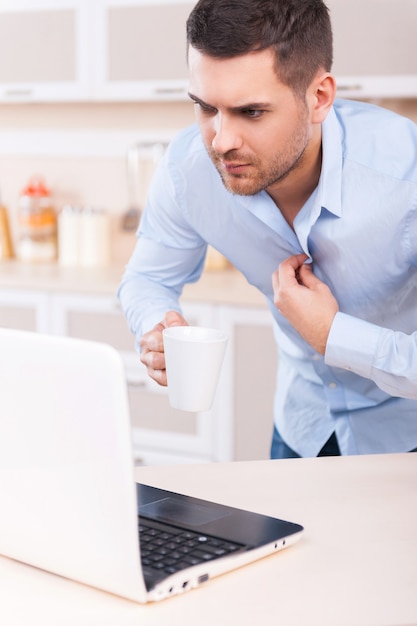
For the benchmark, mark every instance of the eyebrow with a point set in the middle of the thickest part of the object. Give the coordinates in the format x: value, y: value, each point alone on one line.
x: 236, y: 109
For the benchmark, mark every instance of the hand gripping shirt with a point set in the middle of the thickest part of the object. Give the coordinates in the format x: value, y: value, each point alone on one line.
x: 359, y: 228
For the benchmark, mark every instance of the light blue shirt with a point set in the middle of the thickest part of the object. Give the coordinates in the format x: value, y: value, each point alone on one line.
x: 359, y: 228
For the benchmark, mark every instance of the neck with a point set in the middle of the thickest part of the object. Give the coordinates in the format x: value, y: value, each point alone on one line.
x: 291, y: 193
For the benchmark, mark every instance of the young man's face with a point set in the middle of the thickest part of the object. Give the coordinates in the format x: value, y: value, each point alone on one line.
x: 254, y: 128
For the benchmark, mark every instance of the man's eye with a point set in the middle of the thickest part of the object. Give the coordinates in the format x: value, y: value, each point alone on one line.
x: 252, y: 113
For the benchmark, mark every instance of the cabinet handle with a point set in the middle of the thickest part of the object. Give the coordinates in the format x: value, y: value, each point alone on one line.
x: 20, y: 93
x: 168, y: 90
x: 349, y: 87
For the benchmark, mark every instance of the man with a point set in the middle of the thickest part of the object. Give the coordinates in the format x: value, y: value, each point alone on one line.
x: 314, y: 200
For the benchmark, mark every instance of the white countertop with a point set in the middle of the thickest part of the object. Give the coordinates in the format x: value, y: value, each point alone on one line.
x: 221, y: 287
x: 356, y: 564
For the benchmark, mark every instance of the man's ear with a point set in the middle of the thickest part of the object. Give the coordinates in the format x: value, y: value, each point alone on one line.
x: 321, y: 94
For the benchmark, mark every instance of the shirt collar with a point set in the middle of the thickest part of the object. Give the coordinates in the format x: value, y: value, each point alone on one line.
x: 330, y: 183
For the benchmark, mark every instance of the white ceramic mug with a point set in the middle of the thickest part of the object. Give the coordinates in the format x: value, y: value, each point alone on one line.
x: 193, y: 358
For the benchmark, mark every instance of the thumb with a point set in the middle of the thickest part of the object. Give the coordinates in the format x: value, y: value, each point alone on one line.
x: 173, y: 318
x: 307, y: 277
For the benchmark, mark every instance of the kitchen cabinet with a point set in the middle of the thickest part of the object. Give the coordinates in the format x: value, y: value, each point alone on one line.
x: 374, y: 48
x: 140, y: 49
x: 239, y: 425
x: 93, y: 50
x: 135, y: 50
x: 24, y: 310
x: 160, y: 433
x: 254, y: 359
x: 45, y: 50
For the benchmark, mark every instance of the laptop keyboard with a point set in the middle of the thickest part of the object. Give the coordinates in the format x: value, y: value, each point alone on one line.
x: 167, y: 549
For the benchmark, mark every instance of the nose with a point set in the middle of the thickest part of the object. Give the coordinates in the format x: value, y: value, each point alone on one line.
x: 226, y: 134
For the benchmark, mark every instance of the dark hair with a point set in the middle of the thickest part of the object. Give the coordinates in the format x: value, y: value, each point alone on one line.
x: 299, y: 31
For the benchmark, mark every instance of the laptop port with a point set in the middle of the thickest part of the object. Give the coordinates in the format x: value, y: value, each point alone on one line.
x: 203, y: 578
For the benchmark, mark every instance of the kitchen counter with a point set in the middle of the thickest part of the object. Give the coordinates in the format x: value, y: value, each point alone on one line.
x: 221, y: 287
x: 355, y: 565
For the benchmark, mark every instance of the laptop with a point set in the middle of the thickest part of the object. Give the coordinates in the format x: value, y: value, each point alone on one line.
x: 69, y: 501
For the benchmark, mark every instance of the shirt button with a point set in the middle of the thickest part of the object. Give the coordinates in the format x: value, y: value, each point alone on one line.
x: 332, y: 385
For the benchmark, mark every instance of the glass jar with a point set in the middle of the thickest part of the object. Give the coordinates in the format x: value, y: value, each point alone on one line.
x: 37, y: 223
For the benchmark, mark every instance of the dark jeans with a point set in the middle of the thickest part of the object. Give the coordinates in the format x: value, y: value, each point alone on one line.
x: 280, y: 450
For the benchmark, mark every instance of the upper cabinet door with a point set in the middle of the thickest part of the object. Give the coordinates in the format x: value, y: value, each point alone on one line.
x: 135, y: 50
x: 45, y: 55
x: 375, y: 50
x: 141, y: 49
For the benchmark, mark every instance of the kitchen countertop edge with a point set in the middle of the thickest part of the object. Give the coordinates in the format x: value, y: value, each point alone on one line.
x: 226, y: 286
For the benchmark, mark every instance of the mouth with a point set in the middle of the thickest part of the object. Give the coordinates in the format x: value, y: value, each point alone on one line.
x: 234, y: 168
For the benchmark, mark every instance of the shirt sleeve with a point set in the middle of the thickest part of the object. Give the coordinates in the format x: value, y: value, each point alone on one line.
x: 387, y: 357
x: 153, y: 281
x: 168, y: 254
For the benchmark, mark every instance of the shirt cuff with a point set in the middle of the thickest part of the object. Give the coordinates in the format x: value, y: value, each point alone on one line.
x: 352, y: 344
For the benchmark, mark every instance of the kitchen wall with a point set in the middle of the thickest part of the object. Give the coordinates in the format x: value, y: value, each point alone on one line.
x: 80, y: 149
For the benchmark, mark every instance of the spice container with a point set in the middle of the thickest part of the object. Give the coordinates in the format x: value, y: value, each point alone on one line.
x: 37, y: 223
x: 95, y: 238
x: 83, y: 237
x: 69, y: 236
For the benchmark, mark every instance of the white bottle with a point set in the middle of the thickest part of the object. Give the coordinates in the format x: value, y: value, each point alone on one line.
x: 95, y: 238
x: 69, y: 236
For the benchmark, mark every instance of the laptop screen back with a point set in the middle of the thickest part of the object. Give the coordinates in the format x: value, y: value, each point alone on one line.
x: 66, y: 470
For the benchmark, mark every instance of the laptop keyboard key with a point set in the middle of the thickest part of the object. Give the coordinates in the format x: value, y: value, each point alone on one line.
x: 170, y: 549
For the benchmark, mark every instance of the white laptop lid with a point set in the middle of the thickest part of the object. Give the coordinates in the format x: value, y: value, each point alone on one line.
x: 44, y: 485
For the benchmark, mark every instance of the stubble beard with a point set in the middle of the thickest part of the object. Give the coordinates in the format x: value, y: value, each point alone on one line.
x: 262, y: 175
